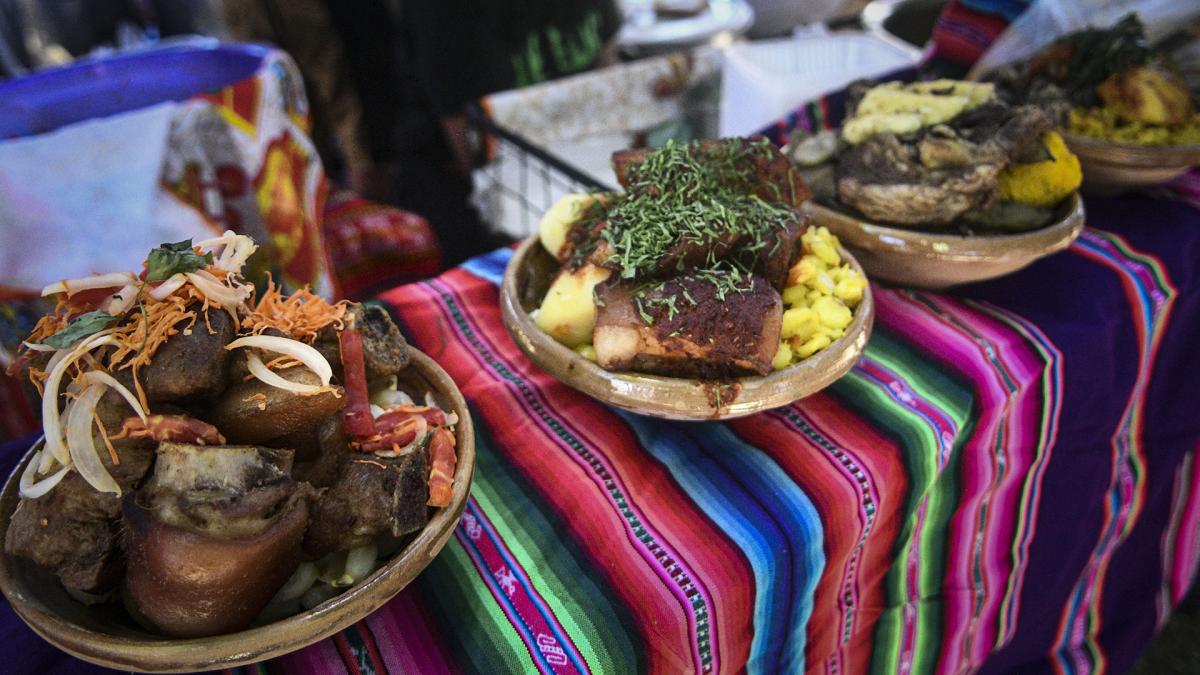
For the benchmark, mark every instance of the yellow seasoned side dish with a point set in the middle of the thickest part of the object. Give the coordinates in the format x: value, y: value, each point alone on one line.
x: 1043, y: 184
x: 821, y: 292
x: 552, y: 230
x: 1106, y: 124
x: 904, y: 108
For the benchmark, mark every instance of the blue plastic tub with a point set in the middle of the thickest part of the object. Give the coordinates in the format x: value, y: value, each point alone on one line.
x: 49, y: 99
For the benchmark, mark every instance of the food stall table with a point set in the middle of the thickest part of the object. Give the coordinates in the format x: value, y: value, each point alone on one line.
x: 1007, y: 481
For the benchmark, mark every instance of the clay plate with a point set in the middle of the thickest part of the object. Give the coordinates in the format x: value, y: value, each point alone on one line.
x: 1115, y: 167
x: 107, y: 636
x: 938, y: 260
x: 529, y: 274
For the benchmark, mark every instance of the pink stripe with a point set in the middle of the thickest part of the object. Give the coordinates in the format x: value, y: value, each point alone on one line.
x: 676, y: 582
x: 405, y: 640
x: 970, y: 627
x: 531, y: 626
x: 1052, y: 378
x: 1187, y: 545
x: 531, y: 593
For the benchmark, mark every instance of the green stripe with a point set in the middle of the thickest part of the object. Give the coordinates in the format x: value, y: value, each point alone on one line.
x: 468, y: 617
x: 574, y: 590
x: 918, y: 443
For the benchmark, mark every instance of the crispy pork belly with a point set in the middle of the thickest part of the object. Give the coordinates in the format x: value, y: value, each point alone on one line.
x: 714, y: 337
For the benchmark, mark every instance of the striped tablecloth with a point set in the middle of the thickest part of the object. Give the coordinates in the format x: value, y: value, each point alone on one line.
x: 1006, y: 482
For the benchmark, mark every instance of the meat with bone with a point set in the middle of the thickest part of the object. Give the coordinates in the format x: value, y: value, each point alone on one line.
x: 372, y: 495
x: 212, y: 536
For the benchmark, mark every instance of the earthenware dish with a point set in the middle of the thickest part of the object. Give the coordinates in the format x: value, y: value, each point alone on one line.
x: 1115, y: 167
x: 529, y: 274
x: 937, y: 260
x: 105, y: 634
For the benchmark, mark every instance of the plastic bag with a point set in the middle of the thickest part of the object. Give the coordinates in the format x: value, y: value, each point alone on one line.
x: 1046, y: 20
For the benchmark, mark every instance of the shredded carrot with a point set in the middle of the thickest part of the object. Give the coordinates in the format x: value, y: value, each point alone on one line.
x: 282, y: 363
x: 112, y: 452
x: 257, y: 397
x: 371, y: 461
x: 51, y: 323
x: 301, y: 315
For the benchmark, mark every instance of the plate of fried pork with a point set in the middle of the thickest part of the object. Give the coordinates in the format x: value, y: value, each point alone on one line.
x: 226, y: 474
x: 699, y: 292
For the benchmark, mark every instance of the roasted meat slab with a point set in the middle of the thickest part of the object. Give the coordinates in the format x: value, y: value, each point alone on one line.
x: 689, y: 327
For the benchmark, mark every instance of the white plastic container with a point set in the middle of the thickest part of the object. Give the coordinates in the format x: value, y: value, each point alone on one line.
x: 761, y: 81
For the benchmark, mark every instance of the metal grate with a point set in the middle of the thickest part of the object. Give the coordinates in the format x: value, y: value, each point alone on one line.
x: 520, y: 180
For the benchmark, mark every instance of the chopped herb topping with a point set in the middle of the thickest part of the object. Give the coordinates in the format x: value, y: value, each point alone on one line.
x: 694, y: 195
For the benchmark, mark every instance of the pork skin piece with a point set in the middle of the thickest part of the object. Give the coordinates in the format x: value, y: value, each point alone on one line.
x: 372, y: 495
x: 716, y: 338
x: 774, y: 178
x: 212, y: 536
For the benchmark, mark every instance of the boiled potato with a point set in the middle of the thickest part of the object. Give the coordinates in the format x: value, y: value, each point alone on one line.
x: 552, y: 231
x: 568, y: 312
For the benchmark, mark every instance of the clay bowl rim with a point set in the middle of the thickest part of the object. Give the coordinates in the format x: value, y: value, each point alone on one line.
x: 279, y: 637
x: 857, y: 232
x: 680, y: 398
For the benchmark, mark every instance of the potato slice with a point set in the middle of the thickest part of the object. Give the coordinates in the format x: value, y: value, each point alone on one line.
x: 568, y: 312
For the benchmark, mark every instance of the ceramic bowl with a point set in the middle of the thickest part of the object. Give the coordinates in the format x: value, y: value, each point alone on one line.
x: 105, y: 634
x: 529, y: 274
x: 1115, y: 167
x: 937, y: 260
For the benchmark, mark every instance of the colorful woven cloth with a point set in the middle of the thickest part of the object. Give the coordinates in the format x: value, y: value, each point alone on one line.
x: 1005, y: 483
x: 375, y: 247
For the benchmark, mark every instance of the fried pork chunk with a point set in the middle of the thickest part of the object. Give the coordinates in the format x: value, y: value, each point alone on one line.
x: 689, y: 326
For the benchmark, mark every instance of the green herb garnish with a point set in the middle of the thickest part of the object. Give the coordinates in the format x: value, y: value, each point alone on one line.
x: 79, y: 328
x: 171, y: 259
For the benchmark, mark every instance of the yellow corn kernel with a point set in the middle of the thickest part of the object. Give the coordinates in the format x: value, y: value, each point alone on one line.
x: 832, y: 312
x: 850, y: 290
x: 826, y: 252
x: 802, y: 322
x: 812, y: 346
x: 822, y: 282
x: 806, y: 268
x: 586, y: 351
x: 783, y: 357
x: 795, y: 296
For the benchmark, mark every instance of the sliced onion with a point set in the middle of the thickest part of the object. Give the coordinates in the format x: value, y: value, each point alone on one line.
x: 166, y: 288
x: 73, y: 286
x: 301, y: 580
x: 82, y: 443
x: 30, y: 487
x: 270, y: 377
x: 217, y: 292
x: 294, y: 348
x: 51, y: 422
x: 38, y: 347
x: 222, y: 240
x: 102, y: 378
x: 120, y: 302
